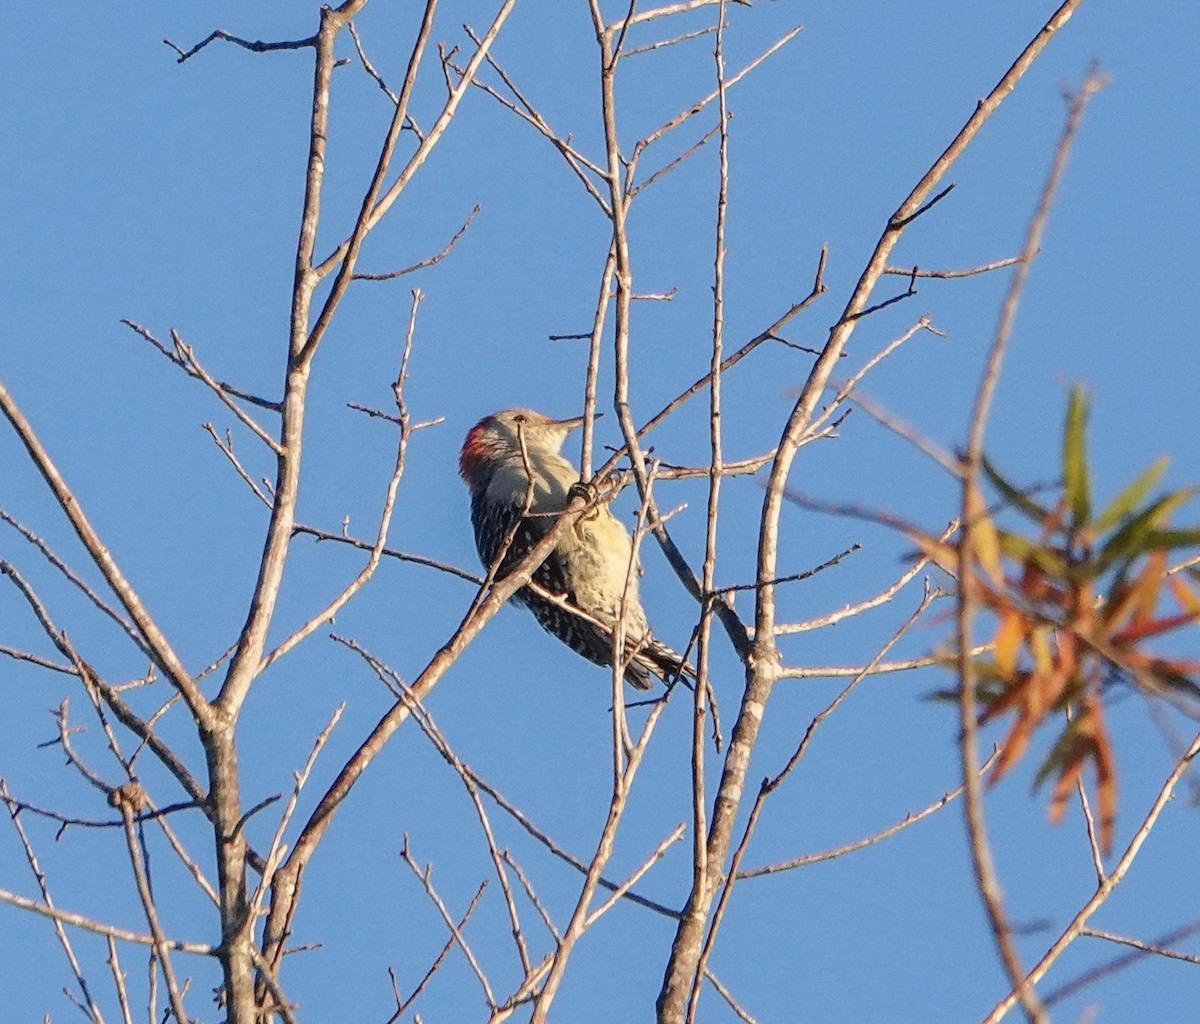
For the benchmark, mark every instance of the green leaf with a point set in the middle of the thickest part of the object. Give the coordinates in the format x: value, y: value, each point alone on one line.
x: 1133, y: 539
x: 1021, y: 549
x: 1125, y: 502
x: 1065, y: 748
x: 1014, y: 495
x: 1075, y: 467
x: 1168, y: 540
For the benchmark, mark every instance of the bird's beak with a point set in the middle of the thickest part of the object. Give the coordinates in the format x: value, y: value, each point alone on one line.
x: 574, y: 423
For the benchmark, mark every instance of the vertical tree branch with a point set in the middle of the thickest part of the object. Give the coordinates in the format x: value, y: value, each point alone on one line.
x: 700, y: 866
x: 162, y: 948
x: 763, y: 666
x: 972, y: 500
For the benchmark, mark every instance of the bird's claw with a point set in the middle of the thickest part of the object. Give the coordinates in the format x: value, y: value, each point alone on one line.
x: 590, y: 493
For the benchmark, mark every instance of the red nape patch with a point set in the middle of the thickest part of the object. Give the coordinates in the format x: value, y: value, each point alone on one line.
x: 475, y: 451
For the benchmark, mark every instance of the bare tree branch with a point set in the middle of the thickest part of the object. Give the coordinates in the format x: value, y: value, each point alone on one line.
x: 985, y: 871
x: 763, y: 666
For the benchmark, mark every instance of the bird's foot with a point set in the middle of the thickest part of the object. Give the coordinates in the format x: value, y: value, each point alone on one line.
x: 590, y: 493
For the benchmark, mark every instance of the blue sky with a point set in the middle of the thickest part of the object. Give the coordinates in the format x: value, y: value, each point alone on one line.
x: 138, y: 188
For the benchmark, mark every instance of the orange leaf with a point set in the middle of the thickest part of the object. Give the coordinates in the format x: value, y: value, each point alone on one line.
x: 1065, y: 642
x: 1013, y: 628
x: 1106, y: 772
x: 1071, y: 773
x: 1150, y: 583
x: 1013, y: 746
x: 1186, y: 597
x: 1013, y: 695
x: 1141, y: 629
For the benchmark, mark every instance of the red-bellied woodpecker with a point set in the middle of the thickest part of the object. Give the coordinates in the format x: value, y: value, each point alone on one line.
x: 587, y: 571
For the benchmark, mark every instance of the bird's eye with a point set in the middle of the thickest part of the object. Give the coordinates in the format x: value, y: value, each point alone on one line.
x: 518, y: 419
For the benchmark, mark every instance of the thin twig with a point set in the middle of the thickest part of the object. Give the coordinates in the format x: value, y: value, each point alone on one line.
x: 850, y: 610
x: 1104, y: 890
x: 401, y: 556
x: 255, y: 46
x: 847, y: 388
x: 524, y: 109
x: 155, y: 640
x: 859, y: 844
x: 620, y: 891
x: 430, y: 728
x: 795, y: 577
x: 31, y: 858
x: 985, y: 870
x: 368, y: 67
x: 429, y: 261
x: 276, y: 850
x: 385, y: 515
x: 425, y: 877
x: 729, y: 82
x: 188, y: 358
x: 161, y: 946
x: 725, y: 994
x: 100, y: 928
x: 176, y: 358
x: 118, y: 976
x: 1145, y: 947
x: 699, y: 808
x: 946, y: 275
x: 402, y: 1005
x: 883, y: 668
x: 77, y: 581
x: 1089, y: 977
x: 531, y: 893
x: 226, y: 448
x: 669, y: 42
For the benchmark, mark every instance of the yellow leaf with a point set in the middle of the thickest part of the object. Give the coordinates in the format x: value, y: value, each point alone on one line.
x: 1039, y: 643
x: 983, y: 534
x: 1008, y: 642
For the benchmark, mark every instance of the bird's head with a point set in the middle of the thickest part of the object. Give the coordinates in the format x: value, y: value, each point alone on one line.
x: 501, y: 435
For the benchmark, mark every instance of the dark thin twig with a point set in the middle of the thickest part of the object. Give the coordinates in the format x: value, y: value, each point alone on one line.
x: 403, y: 1004
x: 75, y: 579
x: 67, y: 820
x: 368, y: 67
x: 904, y: 222
x: 795, y: 577
x: 178, y: 360
x: 255, y: 46
x: 428, y: 261
x: 401, y: 556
